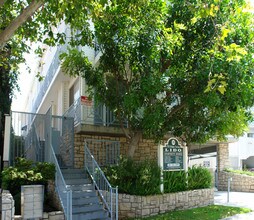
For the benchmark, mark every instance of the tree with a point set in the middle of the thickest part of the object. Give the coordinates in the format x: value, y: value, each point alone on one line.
x: 37, y: 20
x: 178, y: 67
x: 8, y: 81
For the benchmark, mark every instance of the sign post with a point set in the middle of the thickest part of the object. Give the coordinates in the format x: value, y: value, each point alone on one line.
x: 172, y: 157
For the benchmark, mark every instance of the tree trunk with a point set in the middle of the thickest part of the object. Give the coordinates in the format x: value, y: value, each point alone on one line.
x: 9, y: 31
x: 134, y: 143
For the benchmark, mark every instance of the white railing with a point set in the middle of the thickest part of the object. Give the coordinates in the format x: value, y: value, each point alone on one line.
x: 108, y: 194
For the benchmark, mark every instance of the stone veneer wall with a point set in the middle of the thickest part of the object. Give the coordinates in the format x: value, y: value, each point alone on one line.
x: 131, y: 206
x: 7, y: 205
x: 65, y: 148
x: 57, y: 215
x: 147, y: 149
x: 54, y: 195
x: 8, y: 209
x: 222, y: 156
x: 239, y: 183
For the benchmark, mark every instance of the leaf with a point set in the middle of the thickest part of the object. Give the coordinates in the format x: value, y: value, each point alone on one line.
x: 221, y: 89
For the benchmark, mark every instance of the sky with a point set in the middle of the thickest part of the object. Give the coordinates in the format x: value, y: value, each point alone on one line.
x: 25, y: 81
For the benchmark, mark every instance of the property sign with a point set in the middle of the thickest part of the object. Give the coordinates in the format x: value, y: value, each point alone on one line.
x: 86, y: 101
x: 172, y: 155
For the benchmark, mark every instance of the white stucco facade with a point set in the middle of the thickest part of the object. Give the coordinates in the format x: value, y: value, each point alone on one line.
x: 241, y: 153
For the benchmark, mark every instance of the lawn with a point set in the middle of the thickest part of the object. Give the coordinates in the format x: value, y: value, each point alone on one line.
x: 212, y: 212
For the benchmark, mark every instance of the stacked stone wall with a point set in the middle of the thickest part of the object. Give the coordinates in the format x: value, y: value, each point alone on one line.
x: 51, y: 188
x: 147, y: 149
x: 222, y: 156
x: 66, y: 149
x: 8, y: 208
x: 131, y: 206
x: 239, y: 183
x: 7, y: 205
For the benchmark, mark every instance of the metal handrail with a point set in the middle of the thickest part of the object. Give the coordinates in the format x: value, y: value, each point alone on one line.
x: 92, y: 114
x: 62, y: 187
x: 106, y: 191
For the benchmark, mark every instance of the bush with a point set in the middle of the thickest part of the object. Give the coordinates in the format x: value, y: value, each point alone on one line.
x: 174, y: 181
x: 242, y: 172
x: 199, y: 178
x: 143, y: 178
x: 26, y: 172
x: 134, y: 178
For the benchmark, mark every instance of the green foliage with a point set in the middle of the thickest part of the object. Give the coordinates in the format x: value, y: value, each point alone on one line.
x: 199, y: 178
x: 189, y: 70
x: 174, y: 181
x: 46, y: 169
x: 243, y: 172
x: 135, y: 178
x: 25, y: 172
x: 210, y: 212
x: 143, y: 178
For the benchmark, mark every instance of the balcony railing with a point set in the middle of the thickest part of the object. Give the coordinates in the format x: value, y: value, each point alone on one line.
x: 90, y: 113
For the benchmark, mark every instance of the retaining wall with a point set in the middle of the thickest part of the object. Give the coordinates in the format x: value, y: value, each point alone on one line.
x: 239, y: 183
x: 131, y: 206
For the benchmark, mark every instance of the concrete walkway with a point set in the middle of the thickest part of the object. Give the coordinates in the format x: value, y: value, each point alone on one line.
x: 236, y: 199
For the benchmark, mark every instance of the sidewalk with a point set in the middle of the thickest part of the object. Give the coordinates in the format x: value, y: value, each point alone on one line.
x: 237, y: 199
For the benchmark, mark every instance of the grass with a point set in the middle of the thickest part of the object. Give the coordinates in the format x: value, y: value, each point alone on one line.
x: 249, y: 173
x: 212, y: 212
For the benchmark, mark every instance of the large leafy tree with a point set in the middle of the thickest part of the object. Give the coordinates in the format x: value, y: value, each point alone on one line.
x: 179, y: 67
x: 8, y: 81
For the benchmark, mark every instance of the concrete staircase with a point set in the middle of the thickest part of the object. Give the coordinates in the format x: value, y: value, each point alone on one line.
x: 85, y: 201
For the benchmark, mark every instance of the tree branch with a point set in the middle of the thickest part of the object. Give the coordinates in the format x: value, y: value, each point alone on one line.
x: 176, y: 109
x: 9, y: 31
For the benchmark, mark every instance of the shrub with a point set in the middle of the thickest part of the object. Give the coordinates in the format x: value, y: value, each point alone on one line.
x: 199, y: 178
x: 174, y: 181
x: 148, y: 178
x: 47, y: 170
x: 134, y: 178
x: 143, y: 178
x: 26, y: 172
x: 243, y: 172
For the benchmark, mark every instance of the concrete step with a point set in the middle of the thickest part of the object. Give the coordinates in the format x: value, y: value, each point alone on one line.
x: 84, y: 187
x: 101, y: 214
x: 85, y: 200
x: 75, y: 176
x: 73, y: 171
x: 77, y: 181
x: 82, y: 194
x: 86, y: 208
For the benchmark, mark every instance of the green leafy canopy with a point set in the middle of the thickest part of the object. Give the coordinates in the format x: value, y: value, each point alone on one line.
x: 184, y: 67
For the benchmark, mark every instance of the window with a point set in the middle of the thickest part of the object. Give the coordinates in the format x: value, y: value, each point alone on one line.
x: 74, y: 93
x: 250, y: 135
x: 206, y: 163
